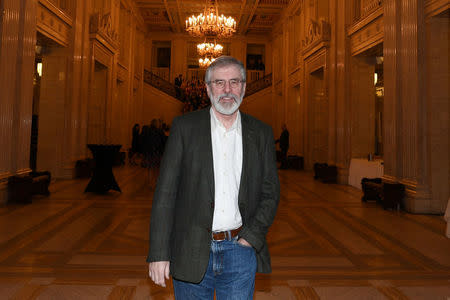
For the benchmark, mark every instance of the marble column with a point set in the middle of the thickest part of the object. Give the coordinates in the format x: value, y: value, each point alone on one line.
x: 78, y: 91
x: 406, y: 129
x: 339, y: 86
x: 392, y: 76
x: 17, y: 46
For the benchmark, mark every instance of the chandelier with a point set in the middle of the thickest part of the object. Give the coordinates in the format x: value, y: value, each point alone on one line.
x: 205, y: 61
x: 208, y: 52
x: 210, y: 24
x: 209, y: 49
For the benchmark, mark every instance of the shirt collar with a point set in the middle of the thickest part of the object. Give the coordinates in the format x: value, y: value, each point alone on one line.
x: 216, y: 122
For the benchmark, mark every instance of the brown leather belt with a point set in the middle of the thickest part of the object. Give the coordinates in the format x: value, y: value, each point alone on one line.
x: 225, y: 235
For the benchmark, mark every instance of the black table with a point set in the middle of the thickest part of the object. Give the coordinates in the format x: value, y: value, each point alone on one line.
x: 103, y: 178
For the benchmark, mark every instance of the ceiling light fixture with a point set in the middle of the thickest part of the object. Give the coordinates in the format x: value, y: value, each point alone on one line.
x: 205, y: 61
x: 210, y: 24
x: 209, y: 49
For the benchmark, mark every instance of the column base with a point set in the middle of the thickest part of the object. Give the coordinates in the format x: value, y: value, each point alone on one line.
x: 343, y: 173
x: 3, y: 192
x: 418, y: 199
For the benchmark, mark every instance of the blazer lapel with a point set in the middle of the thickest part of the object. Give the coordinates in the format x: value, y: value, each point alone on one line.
x: 247, y: 144
x: 205, y: 131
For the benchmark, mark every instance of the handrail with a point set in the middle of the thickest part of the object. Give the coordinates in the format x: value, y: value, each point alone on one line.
x: 170, y: 89
x: 160, y: 83
x: 256, y: 86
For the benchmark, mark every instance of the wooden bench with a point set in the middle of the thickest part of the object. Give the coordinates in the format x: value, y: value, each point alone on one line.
x: 372, y: 189
x: 389, y: 195
x: 40, y: 183
x: 325, y: 173
x: 21, y: 188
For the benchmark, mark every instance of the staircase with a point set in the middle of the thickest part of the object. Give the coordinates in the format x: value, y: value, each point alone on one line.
x: 170, y: 89
x: 160, y: 83
x: 258, y: 85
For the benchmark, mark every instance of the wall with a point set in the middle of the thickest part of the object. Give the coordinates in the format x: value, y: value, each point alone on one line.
x: 332, y: 36
x: 260, y: 106
x: 17, y: 48
x: 310, y: 36
x: 158, y: 105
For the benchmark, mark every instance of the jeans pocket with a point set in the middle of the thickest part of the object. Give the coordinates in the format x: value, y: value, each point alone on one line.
x: 241, y: 245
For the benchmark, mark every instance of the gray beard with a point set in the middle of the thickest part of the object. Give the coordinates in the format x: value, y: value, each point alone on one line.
x: 226, y: 109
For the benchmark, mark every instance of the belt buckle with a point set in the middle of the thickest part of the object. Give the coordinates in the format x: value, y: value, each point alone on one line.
x: 221, y: 232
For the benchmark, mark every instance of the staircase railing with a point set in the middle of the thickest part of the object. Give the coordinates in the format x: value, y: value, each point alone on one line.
x: 170, y: 89
x: 160, y: 83
x: 256, y: 86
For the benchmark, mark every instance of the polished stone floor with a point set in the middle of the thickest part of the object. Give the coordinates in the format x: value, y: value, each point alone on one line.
x: 325, y: 244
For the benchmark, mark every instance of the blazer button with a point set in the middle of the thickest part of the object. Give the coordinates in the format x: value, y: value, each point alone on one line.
x: 212, y: 204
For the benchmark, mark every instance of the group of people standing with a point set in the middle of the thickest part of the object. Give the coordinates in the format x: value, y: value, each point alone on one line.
x: 147, y: 145
x: 192, y: 93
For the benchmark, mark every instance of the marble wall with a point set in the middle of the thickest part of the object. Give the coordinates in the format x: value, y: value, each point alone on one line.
x: 17, y: 44
x: 340, y: 40
x: 318, y: 53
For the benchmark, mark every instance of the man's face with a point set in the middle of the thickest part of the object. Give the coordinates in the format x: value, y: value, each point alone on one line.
x: 226, y: 99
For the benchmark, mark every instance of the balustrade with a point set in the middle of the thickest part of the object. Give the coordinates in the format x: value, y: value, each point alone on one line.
x: 256, y: 86
x: 159, y: 83
x: 254, y: 75
x: 163, y: 73
x: 195, y: 74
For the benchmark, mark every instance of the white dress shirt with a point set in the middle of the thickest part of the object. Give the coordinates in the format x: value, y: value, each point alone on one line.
x: 227, y: 157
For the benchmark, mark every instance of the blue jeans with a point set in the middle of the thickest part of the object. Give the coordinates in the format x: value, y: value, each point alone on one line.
x: 231, y: 272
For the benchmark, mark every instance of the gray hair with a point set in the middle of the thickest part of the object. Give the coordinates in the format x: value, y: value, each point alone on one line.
x: 225, y: 61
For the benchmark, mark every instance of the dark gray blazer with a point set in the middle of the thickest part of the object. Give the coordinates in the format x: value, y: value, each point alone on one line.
x: 183, y: 203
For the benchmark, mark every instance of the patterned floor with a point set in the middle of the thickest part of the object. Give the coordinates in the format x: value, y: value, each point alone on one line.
x: 325, y: 244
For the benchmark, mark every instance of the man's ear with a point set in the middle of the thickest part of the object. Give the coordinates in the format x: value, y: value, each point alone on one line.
x: 208, y: 92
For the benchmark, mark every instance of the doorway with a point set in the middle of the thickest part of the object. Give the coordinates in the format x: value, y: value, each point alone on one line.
x: 318, y: 120
x: 97, y: 133
x: 367, y: 103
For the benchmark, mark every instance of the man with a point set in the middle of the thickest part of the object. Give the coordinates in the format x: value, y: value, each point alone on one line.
x: 178, y: 83
x: 284, y: 146
x: 216, y: 195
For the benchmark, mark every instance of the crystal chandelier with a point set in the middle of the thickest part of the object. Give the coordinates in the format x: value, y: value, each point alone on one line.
x: 210, y: 24
x: 205, y: 61
x: 209, y: 49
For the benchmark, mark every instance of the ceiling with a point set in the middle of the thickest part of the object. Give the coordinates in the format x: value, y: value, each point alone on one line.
x: 253, y: 17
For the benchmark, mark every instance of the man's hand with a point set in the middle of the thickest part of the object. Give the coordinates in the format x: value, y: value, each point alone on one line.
x: 243, y: 242
x: 159, y: 272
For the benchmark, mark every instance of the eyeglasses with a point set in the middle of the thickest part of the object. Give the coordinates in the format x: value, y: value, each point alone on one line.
x: 220, y: 83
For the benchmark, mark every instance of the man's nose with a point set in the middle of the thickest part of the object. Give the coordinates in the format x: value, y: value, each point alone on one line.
x: 227, y: 87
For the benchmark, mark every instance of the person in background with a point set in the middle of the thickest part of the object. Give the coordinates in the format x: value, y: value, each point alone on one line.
x: 284, y: 145
x: 155, y: 141
x: 134, y: 144
x: 178, y: 83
